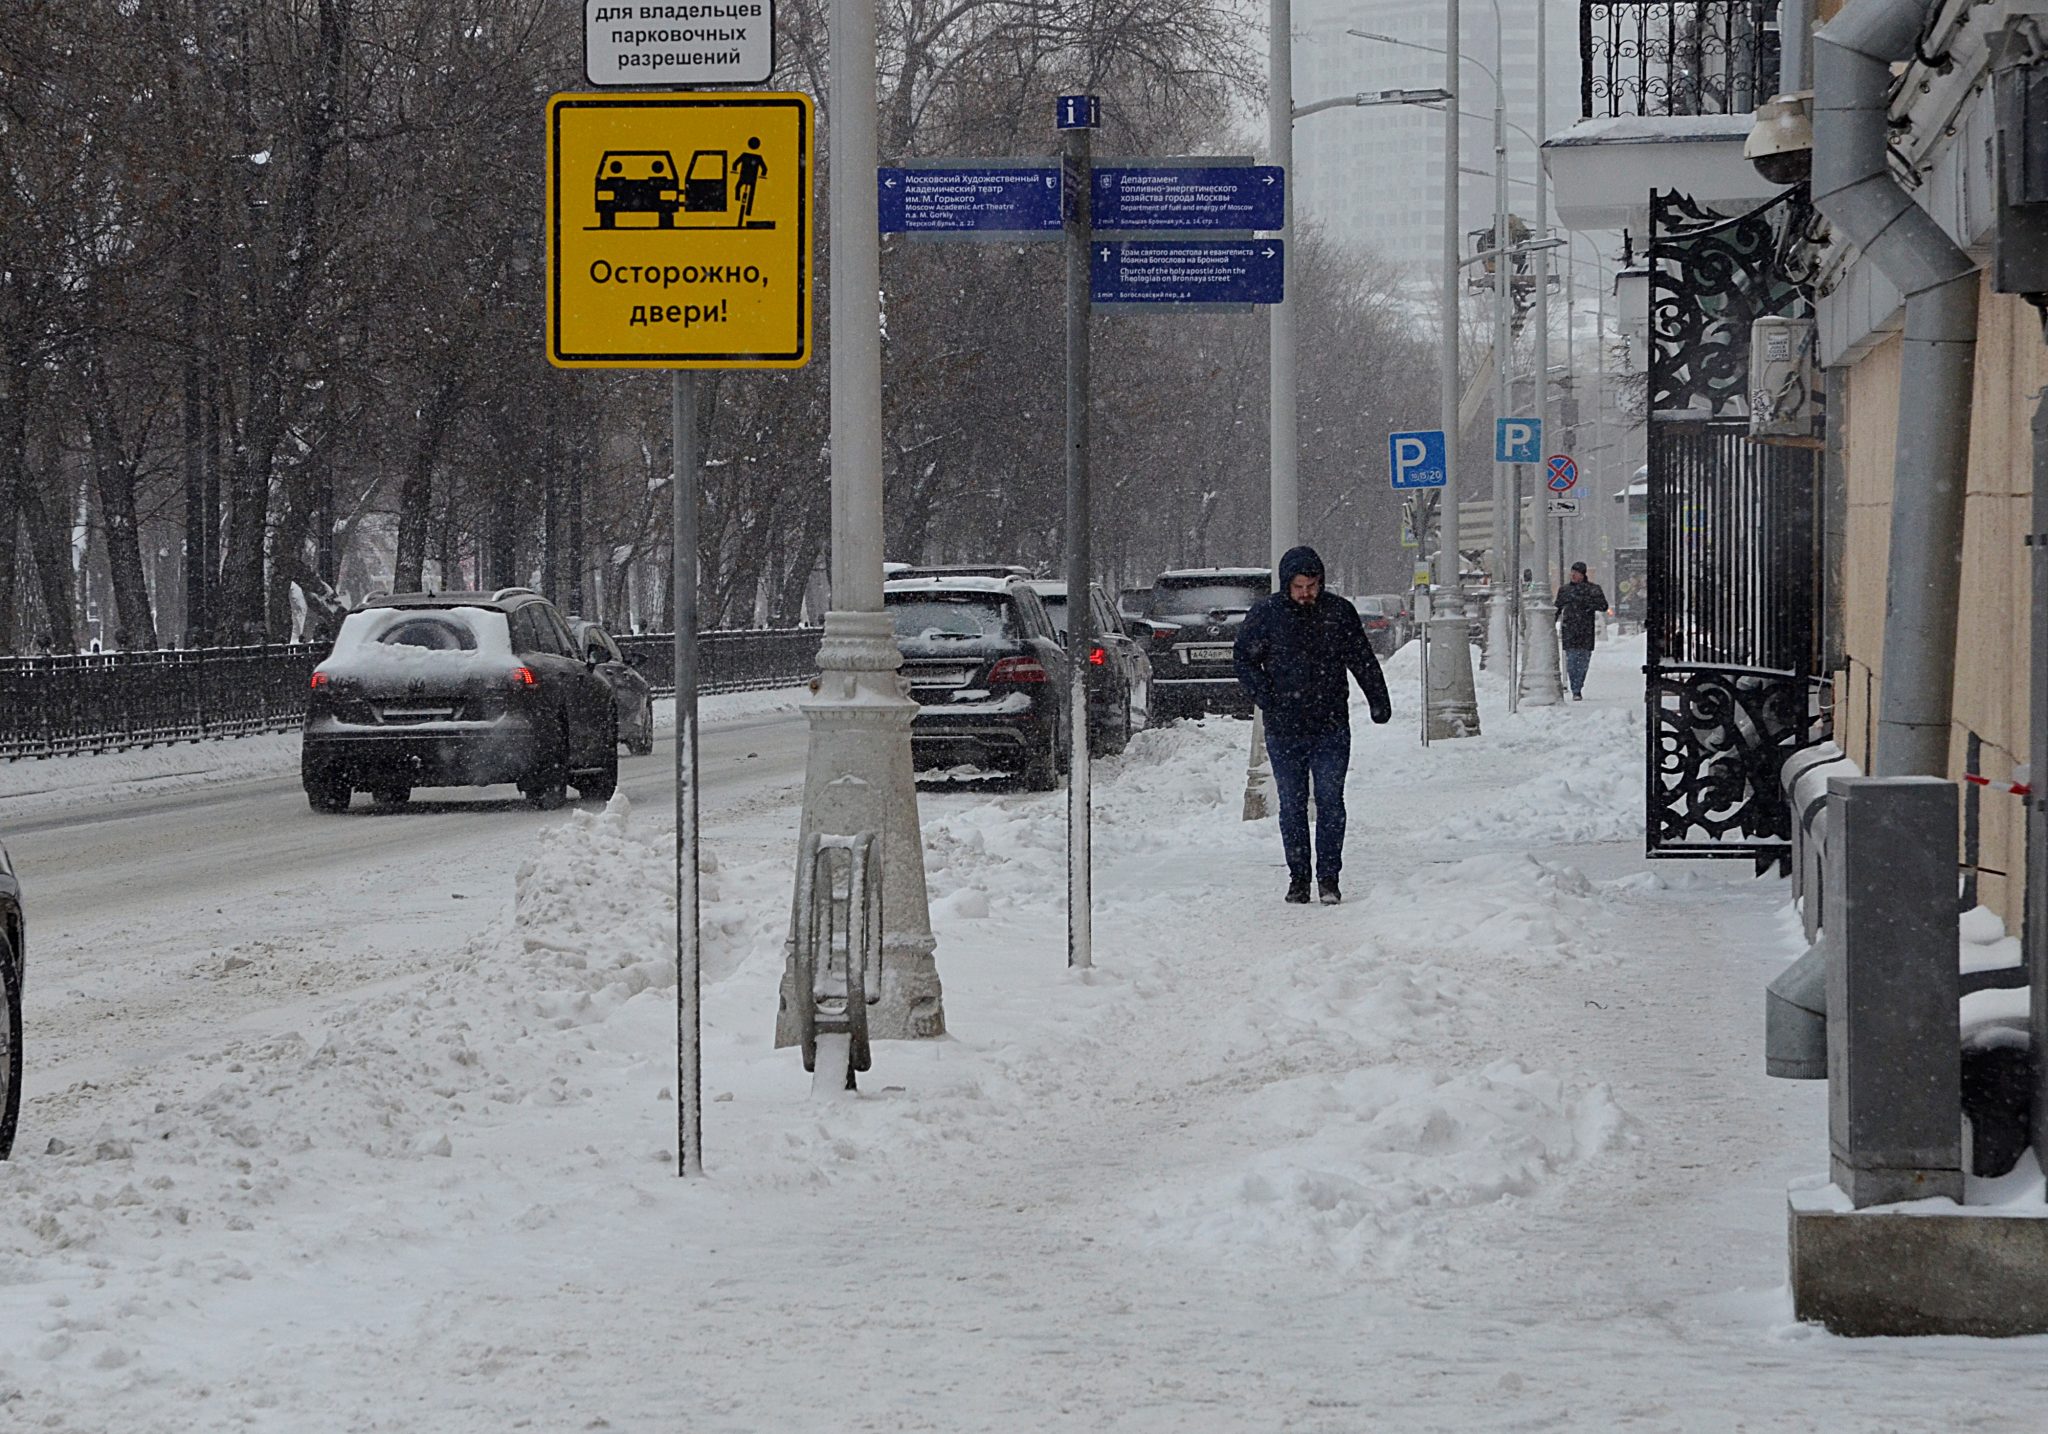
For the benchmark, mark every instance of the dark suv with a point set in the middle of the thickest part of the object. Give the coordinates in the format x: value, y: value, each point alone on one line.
x: 1192, y: 620
x: 457, y: 689
x: 988, y: 672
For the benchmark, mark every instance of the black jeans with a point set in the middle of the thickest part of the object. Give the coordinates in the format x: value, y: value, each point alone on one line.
x: 1321, y: 758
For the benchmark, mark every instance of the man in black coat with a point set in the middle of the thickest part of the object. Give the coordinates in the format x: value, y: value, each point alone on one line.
x: 1580, y: 602
x: 1292, y: 655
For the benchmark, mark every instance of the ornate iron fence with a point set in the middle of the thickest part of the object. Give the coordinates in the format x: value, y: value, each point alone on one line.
x: 1676, y: 57
x: 1734, y: 560
x: 102, y: 702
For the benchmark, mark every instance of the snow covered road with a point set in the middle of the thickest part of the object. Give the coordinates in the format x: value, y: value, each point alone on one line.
x: 1487, y: 1147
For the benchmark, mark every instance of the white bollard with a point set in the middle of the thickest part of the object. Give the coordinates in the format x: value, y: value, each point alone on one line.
x: 1541, y: 685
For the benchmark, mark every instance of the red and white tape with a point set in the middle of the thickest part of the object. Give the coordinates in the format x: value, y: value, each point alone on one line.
x: 2018, y: 789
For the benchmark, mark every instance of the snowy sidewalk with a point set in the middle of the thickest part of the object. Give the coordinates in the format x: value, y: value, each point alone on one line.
x: 1487, y: 1147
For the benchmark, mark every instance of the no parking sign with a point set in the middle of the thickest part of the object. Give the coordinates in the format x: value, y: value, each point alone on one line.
x: 1563, y: 472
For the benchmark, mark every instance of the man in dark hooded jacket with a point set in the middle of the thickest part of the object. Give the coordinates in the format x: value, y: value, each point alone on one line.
x: 1292, y: 655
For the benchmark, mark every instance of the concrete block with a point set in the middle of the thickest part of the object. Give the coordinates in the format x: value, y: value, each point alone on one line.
x: 1893, y: 1031
x: 1942, y: 1271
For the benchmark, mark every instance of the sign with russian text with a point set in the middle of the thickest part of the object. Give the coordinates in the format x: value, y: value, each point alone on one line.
x: 989, y: 201
x: 1188, y: 271
x: 1187, y: 196
x: 679, y: 230
x: 678, y: 42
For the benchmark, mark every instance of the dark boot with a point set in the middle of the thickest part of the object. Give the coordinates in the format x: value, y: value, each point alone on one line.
x: 1328, y: 891
x: 1297, y: 891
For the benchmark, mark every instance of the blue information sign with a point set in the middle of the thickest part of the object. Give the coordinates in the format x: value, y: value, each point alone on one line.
x: 1079, y: 112
x: 1518, y: 440
x: 1187, y: 196
x: 970, y: 199
x: 1188, y: 271
x: 1416, y: 460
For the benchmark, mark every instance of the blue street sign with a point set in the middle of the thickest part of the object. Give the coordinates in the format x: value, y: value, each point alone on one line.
x: 1517, y: 440
x: 1563, y: 472
x: 1416, y: 459
x: 991, y: 200
x: 1079, y: 112
x: 1188, y: 196
x: 1188, y: 271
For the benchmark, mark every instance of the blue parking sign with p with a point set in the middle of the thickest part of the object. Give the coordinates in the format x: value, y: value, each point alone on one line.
x: 1416, y: 460
x: 1518, y: 440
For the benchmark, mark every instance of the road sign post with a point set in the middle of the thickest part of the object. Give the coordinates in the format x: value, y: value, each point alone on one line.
x: 1077, y: 160
x: 679, y: 230
x: 656, y: 262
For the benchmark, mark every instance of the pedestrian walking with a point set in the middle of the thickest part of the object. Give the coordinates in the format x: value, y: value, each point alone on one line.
x: 1580, y: 602
x: 1292, y: 656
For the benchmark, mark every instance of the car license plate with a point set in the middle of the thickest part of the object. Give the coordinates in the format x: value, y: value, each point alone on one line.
x: 1205, y: 654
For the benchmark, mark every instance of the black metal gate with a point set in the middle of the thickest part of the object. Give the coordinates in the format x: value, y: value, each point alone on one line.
x: 1733, y: 678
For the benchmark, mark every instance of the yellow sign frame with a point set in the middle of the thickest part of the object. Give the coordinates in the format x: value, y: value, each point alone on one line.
x: 681, y: 291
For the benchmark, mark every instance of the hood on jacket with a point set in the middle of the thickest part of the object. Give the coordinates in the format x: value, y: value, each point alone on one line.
x: 1301, y: 562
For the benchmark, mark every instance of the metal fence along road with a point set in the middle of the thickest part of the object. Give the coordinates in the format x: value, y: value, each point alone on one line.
x: 102, y: 702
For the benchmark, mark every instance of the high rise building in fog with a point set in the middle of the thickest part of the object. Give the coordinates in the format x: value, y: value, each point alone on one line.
x: 1372, y: 178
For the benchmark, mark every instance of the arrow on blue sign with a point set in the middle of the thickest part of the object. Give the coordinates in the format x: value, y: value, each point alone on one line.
x: 1416, y: 460
x: 1188, y: 271
x: 1186, y: 196
x: 989, y: 200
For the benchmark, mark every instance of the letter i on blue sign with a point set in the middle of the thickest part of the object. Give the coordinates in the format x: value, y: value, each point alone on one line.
x: 1080, y: 112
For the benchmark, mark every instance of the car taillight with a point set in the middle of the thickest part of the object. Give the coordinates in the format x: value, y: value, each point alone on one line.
x: 1018, y: 669
x: 523, y: 677
x: 1096, y: 657
x: 319, y: 681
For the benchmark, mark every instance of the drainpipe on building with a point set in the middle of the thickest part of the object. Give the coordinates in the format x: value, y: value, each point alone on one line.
x: 1854, y: 188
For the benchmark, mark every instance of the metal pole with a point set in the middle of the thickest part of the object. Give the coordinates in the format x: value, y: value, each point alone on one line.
x: 689, y: 963
x: 1286, y: 511
x: 1500, y: 629
x: 1447, y: 359
x: 1077, y: 156
x: 1542, y: 261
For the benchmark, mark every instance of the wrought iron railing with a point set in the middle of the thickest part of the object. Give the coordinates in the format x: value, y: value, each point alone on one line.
x: 1676, y: 57
x: 102, y: 702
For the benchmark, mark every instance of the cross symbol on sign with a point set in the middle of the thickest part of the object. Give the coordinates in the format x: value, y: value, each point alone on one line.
x: 1563, y: 474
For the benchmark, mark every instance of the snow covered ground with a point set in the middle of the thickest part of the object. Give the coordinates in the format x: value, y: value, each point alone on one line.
x: 1487, y: 1147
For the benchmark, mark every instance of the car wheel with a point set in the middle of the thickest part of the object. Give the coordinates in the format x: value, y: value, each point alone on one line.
x: 1042, y: 768
x: 328, y: 792
x: 1119, y: 736
x: 641, y: 743
x: 547, y: 785
x: 599, y: 785
x: 10, y: 1057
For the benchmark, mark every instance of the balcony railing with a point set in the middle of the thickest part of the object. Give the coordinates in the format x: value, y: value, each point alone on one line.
x: 1676, y: 57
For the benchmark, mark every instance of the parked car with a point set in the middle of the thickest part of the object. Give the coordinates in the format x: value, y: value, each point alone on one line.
x: 13, y: 970
x: 632, y: 694
x: 893, y: 571
x: 1388, y: 621
x: 457, y: 689
x: 1191, y: 628
x: 1119, y: 673
x: 988, y: 671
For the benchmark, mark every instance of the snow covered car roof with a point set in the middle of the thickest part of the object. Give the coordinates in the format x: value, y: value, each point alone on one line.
x: 1182, y: 575
x: 959, y: 584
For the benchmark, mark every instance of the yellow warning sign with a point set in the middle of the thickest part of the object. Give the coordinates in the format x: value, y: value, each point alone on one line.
x: 679, y: 230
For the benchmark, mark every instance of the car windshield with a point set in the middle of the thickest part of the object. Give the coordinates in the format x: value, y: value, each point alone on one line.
x: 951, y: 617
x: 438, y: 633
x: 1206, y: 597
